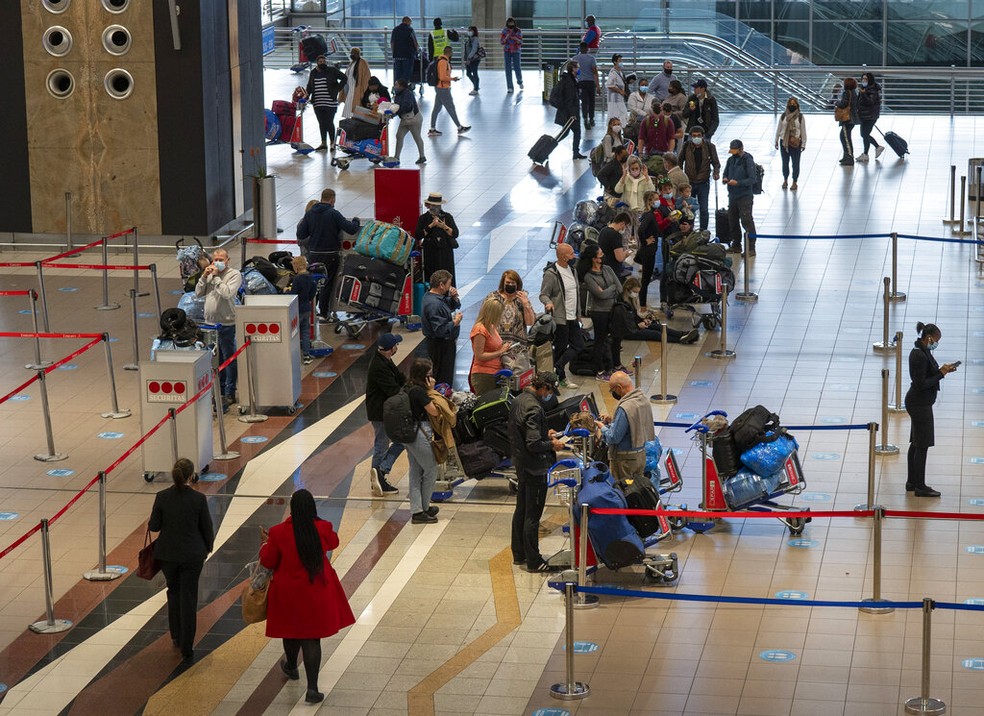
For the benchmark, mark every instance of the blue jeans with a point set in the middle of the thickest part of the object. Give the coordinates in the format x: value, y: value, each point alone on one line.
x: 304, y: 321
x: 423, y: 473
x: 227, y: 346
x: 512, y: 63
x: 384, y: 454
x: 471, y: 72
x: 403, y: 69
x: 701, y: 190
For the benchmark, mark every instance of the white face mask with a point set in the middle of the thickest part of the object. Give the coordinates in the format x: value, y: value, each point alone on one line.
x: 220, y: 265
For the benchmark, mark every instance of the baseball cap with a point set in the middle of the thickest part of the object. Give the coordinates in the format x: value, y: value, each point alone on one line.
x: 547, y: 380
x: 388, y: 340
x: 700, y: 83
x: 736, y: 144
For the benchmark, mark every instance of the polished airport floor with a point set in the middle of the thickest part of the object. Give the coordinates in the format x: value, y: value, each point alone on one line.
x: 446, y: 624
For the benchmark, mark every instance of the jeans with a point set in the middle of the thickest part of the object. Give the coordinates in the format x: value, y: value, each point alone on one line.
x: 568, y: 342
x: 182, y: 601
x: 330, y: 260
x: 443, y: 99
x: 701, y: 189
x: 740, y: 208
x: 587, y: 90
x: 413, y: 125
x: 530, y: 499
x: 304, y: 322
x: 403, y: 69
x: 793, y: 153
x: 326, y: 122
x: 512, y: 64
x: 866, y: 126
x: 384, y: 453
x: 576, y: 130
x: 227, y: 346
x: 602, y: 358
x: 847, y: 144
x: 471, y: 72
x: 442, y: 353
x: 423, y: 473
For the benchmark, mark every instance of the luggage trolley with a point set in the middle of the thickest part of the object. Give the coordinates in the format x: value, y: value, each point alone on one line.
x: 360, y: 139
x: 372, y: 290
x: 716, y: 497
x: 705, y: 282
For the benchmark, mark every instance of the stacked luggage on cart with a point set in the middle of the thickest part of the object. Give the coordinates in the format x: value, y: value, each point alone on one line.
x: 699, y: 278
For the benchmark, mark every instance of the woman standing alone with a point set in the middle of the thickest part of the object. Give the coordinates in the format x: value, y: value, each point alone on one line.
x: 791, y: 140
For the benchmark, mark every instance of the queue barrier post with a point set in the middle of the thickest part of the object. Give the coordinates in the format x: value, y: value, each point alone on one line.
x: 51, y: 455
x: 885, y: 447
x: 136, y: 258
x: 876, y: 600
x: 953, y: 192
x: 978, y: 244
x: 870, y: 504
x: 106, y: 305
x: 39, y: 362
x: 49, y: 625
x: 898, y: 406
x: 44, y: 296
x: 570, y: 690
x: 663, y: 397
x: 584, y: 601
x: 637, y: 371
x: 723, y: 351
x: 883, y: 346
x: 252, y: 417
x: 977, y: 205
x: 134, y: 295
x: 961, y: 231
x: 924, y: 703
x: 173, y: 428
x: 245, y: 241
x: 68, y: 220
x: 101, y: 573
x: 116, y: 413
x: 157, y: 288
x: 895, y: 295
x: 225, y: 453
x: 746, y: 295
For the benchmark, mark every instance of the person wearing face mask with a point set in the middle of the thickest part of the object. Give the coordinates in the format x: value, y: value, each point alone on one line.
x: 440, y: 319
x: 925, y: 375
x: 472, y: 58
x: 403, y: 45
x: 613, y: 170
x: 588, y: 83
x: 383, y: 380
x: 511, y: 39
x: 617, y: 91
x: 739, y: 176
x: 603, y: 288
x: 627, y: 431
x: 640, y: 103
x: 869, y: 110
x: 699, y: 161
x: 613, y: 138
x: 677, y: 99
x: 534, y: 449
x: 846, y: 115
x: 659, y: 87
x: 565, y: 98
x: 219, y: 285
x: 791, y: 140
x: 701, y: 110
x: 517, y: 311
x: 657, y: 134
x: 592, y: 34
x: 375, y: 91
x: 640, y: 324
x: 674, y: 173
x: 423, y: 466
x: 438, y: 236
x: 634, y: 184
x: 560, y: 295
x: 320, y: 231
x: 356, y: 81
x: 322, y: 92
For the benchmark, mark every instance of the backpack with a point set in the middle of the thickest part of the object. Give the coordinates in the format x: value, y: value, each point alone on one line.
x: 597, y: 158
x: 750, y: 428
x: 555, y: 96
x: 398, y: 419
x: 759, y: 176
x: 432, y: 72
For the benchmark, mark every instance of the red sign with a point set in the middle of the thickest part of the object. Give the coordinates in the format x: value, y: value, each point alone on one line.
x: 263, y: 332
x: 294, y: 326
x: 167, y: 391
x: 713, y: 495
x: 406, y: 297
x: 792, y: 475
x: 673, y: 470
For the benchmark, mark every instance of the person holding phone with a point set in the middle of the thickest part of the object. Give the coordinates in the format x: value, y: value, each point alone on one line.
x: 925, y: 374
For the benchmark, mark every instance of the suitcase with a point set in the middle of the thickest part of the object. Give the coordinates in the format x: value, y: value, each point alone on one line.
x: 722, y: 227
x: 477, y: 459
x: 614, y: 540
x: 372, y: 283
x: 491, y: 407
x: 559, y: 417
x: 356, y: 131
x: 283, y: 107
x: 547, y: 143
x: 725, y: 453
x: 380, y: 240
x: 641, y: 495
x: 898, y: 145
x: 496, y: 436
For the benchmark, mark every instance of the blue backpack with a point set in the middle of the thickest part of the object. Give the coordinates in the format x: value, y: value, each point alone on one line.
x: 615, y: 541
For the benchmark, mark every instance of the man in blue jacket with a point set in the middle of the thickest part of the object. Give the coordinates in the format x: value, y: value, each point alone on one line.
x: 739, y: 177
x: 440, y: 324
x: 319, y: 234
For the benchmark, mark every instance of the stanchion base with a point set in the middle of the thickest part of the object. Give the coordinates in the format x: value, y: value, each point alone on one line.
x: 750, y: 297
x: 874, y: 608
x: 886, y: 449
x: 919, y: 705
x: 56, y: 457
x: 880, y: 347
x: 587, y: 601
x: 97, y: 576
x: 663, y: 399
x: 721, y: 354
x: 252, y: 418
x: 43, y: 627
x: 896, y: 297
x: 228, y: 455
x: 565, y: 559
x: 108, y: 307
x: 979, y: 259
x: 39, y: 366
x: 962, y: 232
x: 864, y: 507
x: 564, y: 692
x: 125, y: 413
x: 893, y: 408
x: 951, y: 221
x: 131, y: 366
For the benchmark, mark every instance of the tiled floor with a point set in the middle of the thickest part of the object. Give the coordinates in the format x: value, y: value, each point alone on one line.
x: 445, y: 624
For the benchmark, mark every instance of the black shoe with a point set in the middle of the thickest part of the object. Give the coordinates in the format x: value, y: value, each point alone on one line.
x: 909, y: 487
x: 384, y: 484
x: 578, y: 155
x: 847, y: 162
x: 545, y: 568
x: 313, y: 696
x: 189, y: 659
x: 690, y: 337
x: 925, y: 492
x: 422, y: 518
x: 290, y: 673
x: 422, y: 160
x: 519, y: 562
x: 433, y: 510
x: 735, y: 248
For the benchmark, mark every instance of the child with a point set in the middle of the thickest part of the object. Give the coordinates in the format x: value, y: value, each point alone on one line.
x: 687, y: 203
x: 305, y: 288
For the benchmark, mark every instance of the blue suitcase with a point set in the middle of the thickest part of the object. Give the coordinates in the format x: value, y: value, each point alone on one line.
x: 614, y: 540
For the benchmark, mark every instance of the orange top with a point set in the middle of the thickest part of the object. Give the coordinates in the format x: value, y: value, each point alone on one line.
x: 443, y: 72
x: 493, y: 342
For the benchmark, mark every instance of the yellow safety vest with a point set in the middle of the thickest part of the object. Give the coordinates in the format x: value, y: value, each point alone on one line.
x: 440, y: 38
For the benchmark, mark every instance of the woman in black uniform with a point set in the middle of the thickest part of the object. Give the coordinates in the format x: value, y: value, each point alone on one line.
x: 925, y: 374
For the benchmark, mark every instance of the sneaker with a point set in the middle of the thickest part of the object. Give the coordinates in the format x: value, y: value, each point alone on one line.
x: 604, y: 376
x: 847, y: 162
x: 621, y: 368
x: 785, y: 185
x: 690, y: 337
x: 463, y: 128
x: 433, y: 133
x: 878, y: 151
x: 509, y: 91
x: 567, y: 385
x: 863, y: 158
x: 422, y: 518
x: 433, y: 510
x: 578, y: 155
x: 520, y: 86
x: 375, y: 486
x: 473, y: 93
x: 422, y: 160
x: 387, y: 488
x: 307, y: 360
x: 793, y: 187
x: 321, y: 147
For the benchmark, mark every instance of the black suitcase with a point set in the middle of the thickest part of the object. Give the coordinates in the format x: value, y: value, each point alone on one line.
x: 496, y: 436
x: 722, y: 227
x: 477, y: 459
x: 559, y: 417
x: 547, y: 143
x: 378, y: 284
x: 641, y: 495
x: 898, y: 145
x: 491, y: 407
x: 725, y: 454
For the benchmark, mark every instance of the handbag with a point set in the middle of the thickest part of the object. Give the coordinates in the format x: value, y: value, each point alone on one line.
x: 842, y: 114
x: 794, y: 142
x: 439, y: 448
x: 255, y: 594
x: 147, y: 564
x: 480, y: 53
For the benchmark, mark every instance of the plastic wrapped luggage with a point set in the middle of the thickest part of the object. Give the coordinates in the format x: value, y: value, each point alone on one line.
x: 193, y: 306
x: 491, y: 407
x: 745, y: 488
x: 614, y: 540
x: 256, y: 284
x: 585, y: 212
x: 380, y: 240
x: 768, y: 457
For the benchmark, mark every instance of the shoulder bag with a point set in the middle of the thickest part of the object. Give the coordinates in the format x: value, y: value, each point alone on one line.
x: 147, y: 564
x: 255, y: 594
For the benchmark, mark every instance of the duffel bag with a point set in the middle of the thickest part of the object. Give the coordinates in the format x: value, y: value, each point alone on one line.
x: 477, y: 459
x: 750, y: 428
x: 767, y: 458
x: 491, y: 407
x: 380, y: 240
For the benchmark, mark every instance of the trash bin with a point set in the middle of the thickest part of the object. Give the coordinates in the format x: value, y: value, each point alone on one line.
x: 973, y: 187
x: 271, y: 322
x: 265, y: 206
x: 551, y: 73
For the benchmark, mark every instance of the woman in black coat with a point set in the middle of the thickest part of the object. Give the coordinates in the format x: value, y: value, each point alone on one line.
x: 565, y: 97
x: 925, y: 374
x: 181, y: 516
x: 869, y: 109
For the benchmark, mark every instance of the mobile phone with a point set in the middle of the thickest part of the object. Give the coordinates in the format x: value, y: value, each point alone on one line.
x: 957, y: 363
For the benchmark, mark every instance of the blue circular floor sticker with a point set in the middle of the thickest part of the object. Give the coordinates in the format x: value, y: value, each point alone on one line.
x: 803, y: 543
x: 117, y: 568
x: 976, y: 602
x: 541, y: 712
x: 68, y: 366
x: 212, y: 477
x: 68, y: 289
x: 25, y: 311
x: 701, y: 383
x: 973, y: 664
x: 353, y: 347
x: 584, y: 647
x: 686, y: 416
x: 815, y: 497
x: 324, y: 374
x: 8, y: 516
x: 110, y: 436
x: 254, y: 439
x: 977, y: 423
x: 146, y: 315
x: 976, y: 501
x: 3, y: 687
x: 825, y: 456
x: 61, y: 472
x: 975, y: 549
x: 833, y: 421
x: 19, y: 398
x: 792, y: 594
x: 977, y: 461
x: 777, y: 656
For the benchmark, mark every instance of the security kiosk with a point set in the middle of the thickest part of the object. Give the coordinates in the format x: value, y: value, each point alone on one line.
x: 271, y: 323
x: 170, y: 381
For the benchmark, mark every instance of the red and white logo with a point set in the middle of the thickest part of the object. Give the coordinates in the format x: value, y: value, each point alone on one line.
x: 203, y: 380
x: 713, y: 495
x: 167, y: 391
x: 264, y: 332
x: 295, y: 323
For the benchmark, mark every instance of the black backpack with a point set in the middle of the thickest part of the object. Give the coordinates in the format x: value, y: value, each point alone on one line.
x: 751, y: 428
x: 432, y: 72
x: 398, y: 420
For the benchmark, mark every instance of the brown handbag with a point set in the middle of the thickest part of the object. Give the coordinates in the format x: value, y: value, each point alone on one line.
x: 842, y: 114
x: 794, y: 142
x: 147, y: 564
x: 255, y: 603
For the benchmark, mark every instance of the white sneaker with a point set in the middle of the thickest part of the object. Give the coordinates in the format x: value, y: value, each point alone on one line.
x: 473, y: 93
x: 374, y: 484
x: 861, y: 158
x: 567, y: 385
x: 878, y: 151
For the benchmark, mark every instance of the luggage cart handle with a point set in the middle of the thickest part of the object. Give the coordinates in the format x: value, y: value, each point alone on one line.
x: 699, y: 425
x: 577, y: 432
x: 565, y: 464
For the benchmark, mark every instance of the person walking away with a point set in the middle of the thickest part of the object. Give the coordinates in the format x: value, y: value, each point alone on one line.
x: 321, y: 229
x: 534, y: 449
x: 440, y: 324
x: 628, y: 430
x: 472, y: 58
x: 699, y: 161
x: 305, y: 602
x: 517, y: 311
x: 925, y: 375
x: 403, y: 45
x: 560, y: 296
x: 701, y: 110
x: 383, y: 380
x: 588, y: 83
x: 565, y: 98
x: 791, y: 140
x: 219, y: 285
x: 846, y: 114
x: 869, y: 110
x: 443, y: 98
x: 657, y: 132
x: 305, y: 287
x: 423, y: 466
x: 659, y: 86
x: 487, y: 348
x: 603, y: 287
x: 511, y: 39
x: 437, y: 235
x: 591, y: 38
x: 410, y: 120
x: 181, y: 518
x: 357, y: 79
x: 322, y: 91
x: 739, y: 177
x: 615, y: 86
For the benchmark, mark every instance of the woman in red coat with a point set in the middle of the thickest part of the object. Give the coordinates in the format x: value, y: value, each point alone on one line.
x: 306, y: 602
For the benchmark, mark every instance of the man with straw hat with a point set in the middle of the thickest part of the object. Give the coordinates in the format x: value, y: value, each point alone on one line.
x: 438, y: 236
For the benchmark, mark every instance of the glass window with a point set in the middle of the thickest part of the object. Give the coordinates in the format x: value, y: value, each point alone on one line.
x: 927, y: 43
x: 927, y: 9
x: 853, y: 11
x: 795, y: 37
x: 755, y: 10
x: 839, y: 43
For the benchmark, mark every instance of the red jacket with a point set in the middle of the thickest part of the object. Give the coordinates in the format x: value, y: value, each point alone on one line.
x: 296, y: 607
x: 656, y: 133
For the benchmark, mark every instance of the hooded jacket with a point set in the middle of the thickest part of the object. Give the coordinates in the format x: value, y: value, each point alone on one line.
x: 322, y: 227
x: 552, y: 291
